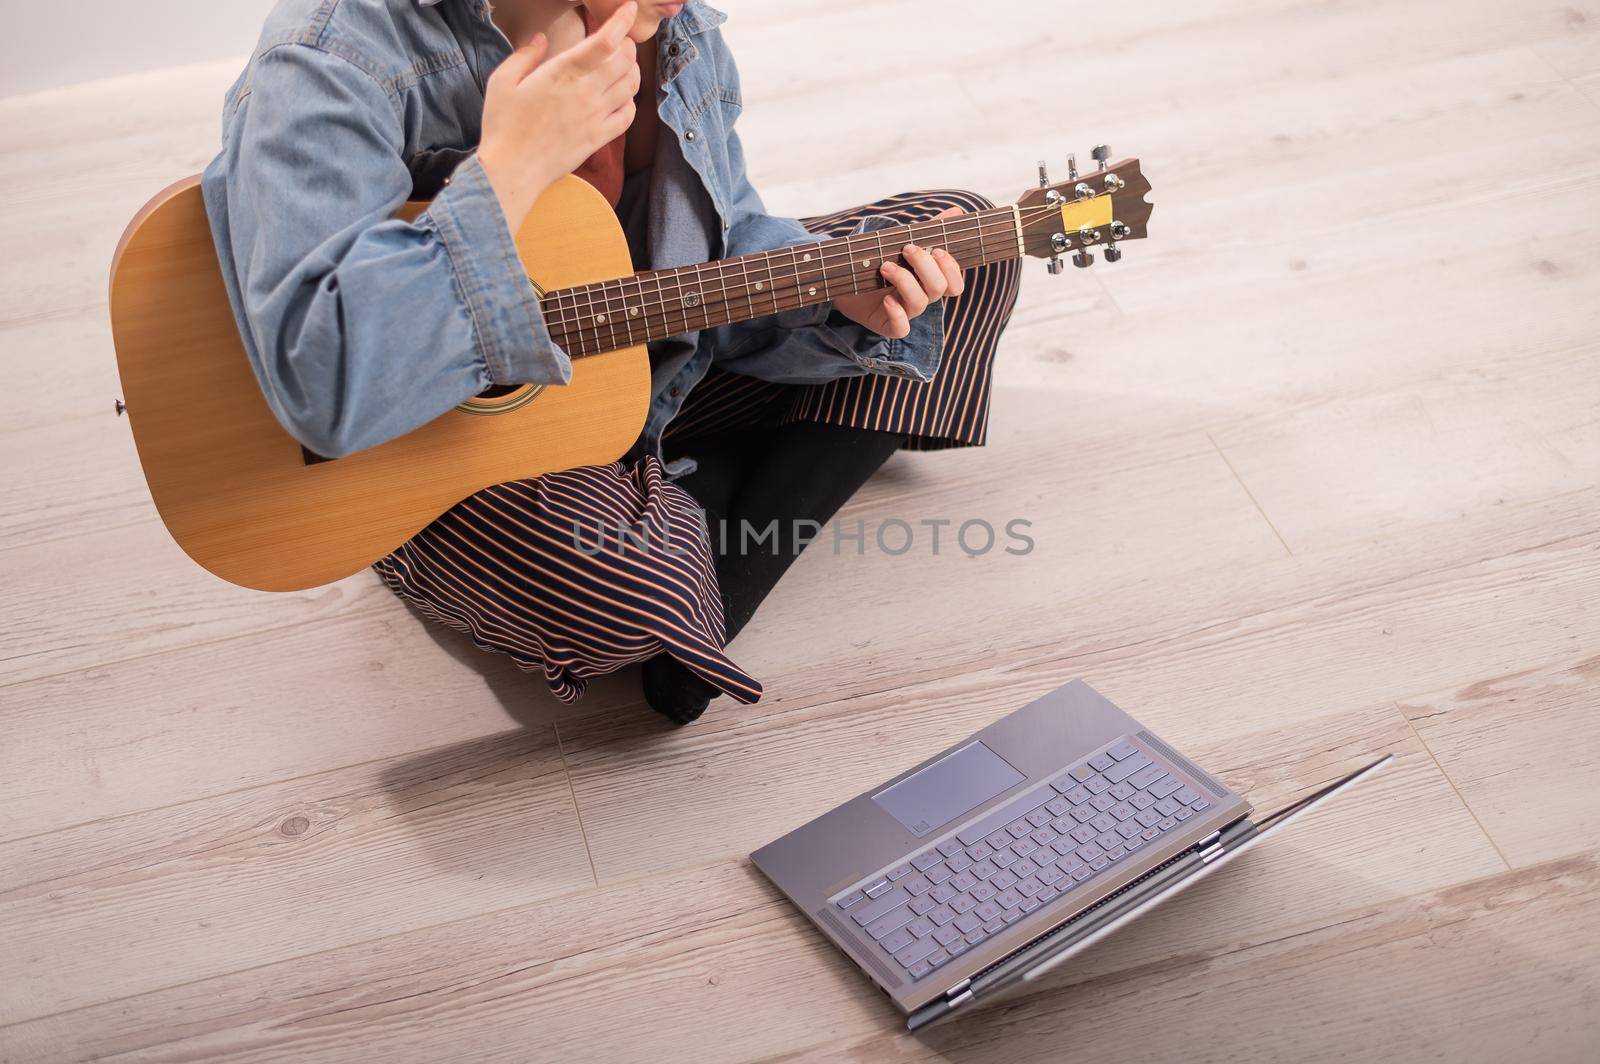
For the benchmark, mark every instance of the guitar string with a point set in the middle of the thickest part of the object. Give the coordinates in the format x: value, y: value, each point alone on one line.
x: 588, y: 332
x: 965, y: 230
x: 1002, y: 217
x: 608, y: 298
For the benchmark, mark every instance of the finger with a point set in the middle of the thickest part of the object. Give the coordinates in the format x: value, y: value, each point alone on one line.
x: 625, y: 87
x: 617, y: 122
x: 896, y: 322
x: 955, y: 279
x: 928, y: 271
x: 520, y: 63
x: 621, y: 68
x: 906, y: 288
x: 595, y: 49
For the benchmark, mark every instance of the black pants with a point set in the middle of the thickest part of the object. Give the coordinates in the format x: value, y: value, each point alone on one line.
x: 766, y: 489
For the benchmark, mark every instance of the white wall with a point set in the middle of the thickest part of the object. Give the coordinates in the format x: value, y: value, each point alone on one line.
x: 45, y: 43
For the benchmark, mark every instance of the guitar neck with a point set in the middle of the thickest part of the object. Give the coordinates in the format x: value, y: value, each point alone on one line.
x: 595, y: 318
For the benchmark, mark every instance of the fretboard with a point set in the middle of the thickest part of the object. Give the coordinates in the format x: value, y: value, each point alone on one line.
x: 594, y: 318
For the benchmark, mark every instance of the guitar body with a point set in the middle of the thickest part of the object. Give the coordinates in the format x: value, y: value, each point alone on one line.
x: 239, y: 493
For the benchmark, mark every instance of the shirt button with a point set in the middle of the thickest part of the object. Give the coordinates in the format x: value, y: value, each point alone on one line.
x: 689, y: 135
x: 674, y: 391
x: 672, y: 49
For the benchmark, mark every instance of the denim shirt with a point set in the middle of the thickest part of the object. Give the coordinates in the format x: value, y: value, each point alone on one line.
x: 361, y: 327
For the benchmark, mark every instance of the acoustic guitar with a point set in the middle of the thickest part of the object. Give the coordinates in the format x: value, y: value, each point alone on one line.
x: 245, y: 500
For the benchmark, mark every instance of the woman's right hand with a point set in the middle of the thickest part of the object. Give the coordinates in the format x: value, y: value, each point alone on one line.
x: 543, y: 117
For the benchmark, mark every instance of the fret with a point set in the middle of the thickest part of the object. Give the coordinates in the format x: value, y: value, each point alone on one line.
x: 744, y: 269
x: 666, y: 311
x: 621, y: 313
x: 794, y: 264
x: 562, y: 316
x: 821, y: 271
x: 687, y: 284
x: 677, y: 287
x: 605, y: 312
x: 640, y: 310
x: 799, y: 279
x: 588, y: 319
x: 700, y: 289
x: 703, y: 288
x: 770, y: 282
x: 585, y: 319
x: 722, y: 282
x: 851, y: 272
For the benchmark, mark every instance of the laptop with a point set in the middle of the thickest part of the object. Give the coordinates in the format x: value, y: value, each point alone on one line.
x: 986, y: 866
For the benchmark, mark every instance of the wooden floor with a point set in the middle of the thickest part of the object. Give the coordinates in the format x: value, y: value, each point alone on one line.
x: 1312, y: 474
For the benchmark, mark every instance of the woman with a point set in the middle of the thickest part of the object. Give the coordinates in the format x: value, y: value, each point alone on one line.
x: 361, y: 327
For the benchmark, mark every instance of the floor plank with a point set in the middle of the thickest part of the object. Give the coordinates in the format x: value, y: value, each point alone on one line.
x: 94, y: 746
x: 1517, y: 742
x: 205, y: 888
x: 715, y: 937
x: 1450, y: 975
x: 645, y: 798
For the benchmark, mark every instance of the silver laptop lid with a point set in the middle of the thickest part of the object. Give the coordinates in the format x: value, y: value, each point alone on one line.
x: 1139, y: 898
x: 859, y: 844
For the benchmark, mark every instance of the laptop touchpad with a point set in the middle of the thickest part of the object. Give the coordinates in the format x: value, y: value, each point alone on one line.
x: 952, y: 785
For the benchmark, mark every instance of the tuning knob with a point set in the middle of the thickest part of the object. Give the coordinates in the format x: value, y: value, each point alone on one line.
x: 1113, y: 253
x: 1054, y: 266
x: 1100, y: 153
x: 1083, y: 258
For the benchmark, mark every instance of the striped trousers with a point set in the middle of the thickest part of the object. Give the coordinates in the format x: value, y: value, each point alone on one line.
x: 513, y: 569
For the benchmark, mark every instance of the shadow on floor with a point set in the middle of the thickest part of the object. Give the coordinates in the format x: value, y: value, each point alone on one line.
x: 501, y: 805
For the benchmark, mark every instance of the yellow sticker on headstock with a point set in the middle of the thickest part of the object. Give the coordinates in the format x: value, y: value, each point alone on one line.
x: 1075, y: 214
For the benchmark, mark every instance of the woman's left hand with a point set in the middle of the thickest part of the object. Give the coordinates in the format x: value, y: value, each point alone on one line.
x: 933, y: 275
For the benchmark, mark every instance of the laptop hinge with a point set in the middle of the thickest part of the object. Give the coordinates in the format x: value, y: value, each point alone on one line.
x: 960, y: 990
x: 959, y: 1000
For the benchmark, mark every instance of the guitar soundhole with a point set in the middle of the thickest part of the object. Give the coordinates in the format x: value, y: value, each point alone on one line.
x: 495, y: 391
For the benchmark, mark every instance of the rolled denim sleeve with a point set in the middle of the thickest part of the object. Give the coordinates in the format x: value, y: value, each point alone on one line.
x: 815, y: 344
x: 360, y: 326
x: 507, y: 324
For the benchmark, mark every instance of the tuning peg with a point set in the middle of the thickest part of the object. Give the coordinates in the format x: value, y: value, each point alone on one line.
x: 1083, y: 258
x: 1113, y: 253
x: 1054, y: 266
x: 1072, y: 168
x: 1044, y: 176
x: 1100, y: 153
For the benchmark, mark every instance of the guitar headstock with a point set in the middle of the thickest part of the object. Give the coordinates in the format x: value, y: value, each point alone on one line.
x: 1101, y: 208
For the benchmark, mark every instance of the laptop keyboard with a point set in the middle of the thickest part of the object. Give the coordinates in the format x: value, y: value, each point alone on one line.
x: 1021, y: 856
